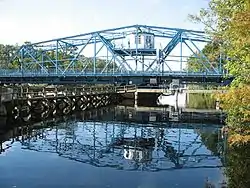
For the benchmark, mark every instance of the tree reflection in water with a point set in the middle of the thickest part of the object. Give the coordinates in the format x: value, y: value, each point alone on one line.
x: 238, y: 166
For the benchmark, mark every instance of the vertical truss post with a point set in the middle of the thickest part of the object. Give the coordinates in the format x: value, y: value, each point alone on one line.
x: 42, y: 62
x: 21, y: 61
x: 94, y: 65
x: 181, y: 52
x: 107, y: 60
x: 162, y: 66
x: 136, y: 48
x: 143, y: 64
x: 57, y: 57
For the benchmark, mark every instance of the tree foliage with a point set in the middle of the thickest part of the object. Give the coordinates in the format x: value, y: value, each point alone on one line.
x: 228, y: 21
x: 7, y: 52
x: 237, y: 104
x: 238, y: 164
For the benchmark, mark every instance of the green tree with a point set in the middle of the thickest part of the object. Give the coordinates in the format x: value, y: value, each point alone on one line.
x: 228, y: 21
x: 238, y: 164
x: 7, y: 53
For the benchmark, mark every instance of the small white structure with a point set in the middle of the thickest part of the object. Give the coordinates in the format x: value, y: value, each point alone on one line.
x: 177, y: 99
x: 141, y: 40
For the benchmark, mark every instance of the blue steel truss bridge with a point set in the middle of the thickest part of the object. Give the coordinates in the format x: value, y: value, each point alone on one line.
x: 131, y: 54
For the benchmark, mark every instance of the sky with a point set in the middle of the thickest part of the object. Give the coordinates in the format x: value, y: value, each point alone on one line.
x: 38, y: 20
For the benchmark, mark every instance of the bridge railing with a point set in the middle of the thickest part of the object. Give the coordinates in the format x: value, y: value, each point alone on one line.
x: 41, y: 73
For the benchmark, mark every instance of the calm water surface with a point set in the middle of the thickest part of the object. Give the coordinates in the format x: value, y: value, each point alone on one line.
x: 113, y: 147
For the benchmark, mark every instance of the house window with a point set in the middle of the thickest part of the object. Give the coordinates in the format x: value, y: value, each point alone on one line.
x: 148, y: 41
x: 138, y: 39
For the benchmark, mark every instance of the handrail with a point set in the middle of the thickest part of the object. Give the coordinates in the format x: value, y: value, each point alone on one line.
x: 29, y: 73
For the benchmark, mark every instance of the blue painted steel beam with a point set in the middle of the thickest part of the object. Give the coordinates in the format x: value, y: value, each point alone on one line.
x: 123, y: 28
x: 81, y: 35
x: 169, y: 28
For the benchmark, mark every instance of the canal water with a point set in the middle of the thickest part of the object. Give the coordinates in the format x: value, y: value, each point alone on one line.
x: 116, y: 146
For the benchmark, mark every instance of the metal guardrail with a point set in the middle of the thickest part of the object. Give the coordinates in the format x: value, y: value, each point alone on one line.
x: 19, y: 73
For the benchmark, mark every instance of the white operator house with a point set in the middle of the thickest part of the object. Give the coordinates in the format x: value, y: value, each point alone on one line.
x: 143, y: 40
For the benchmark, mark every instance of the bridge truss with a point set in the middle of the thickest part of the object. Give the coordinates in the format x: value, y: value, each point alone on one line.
x: 133, y: 52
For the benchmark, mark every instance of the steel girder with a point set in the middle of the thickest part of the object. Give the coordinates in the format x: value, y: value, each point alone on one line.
x: 103, y: 52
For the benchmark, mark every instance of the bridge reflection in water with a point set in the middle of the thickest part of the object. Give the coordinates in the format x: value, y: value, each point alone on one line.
x: 106, y: 138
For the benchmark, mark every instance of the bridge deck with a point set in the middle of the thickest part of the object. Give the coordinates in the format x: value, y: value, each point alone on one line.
x: 7, y: 77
